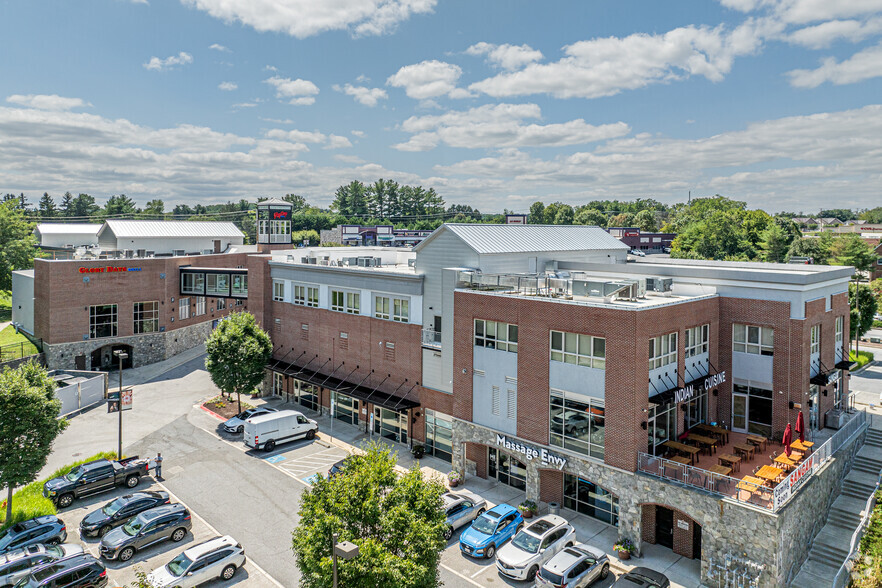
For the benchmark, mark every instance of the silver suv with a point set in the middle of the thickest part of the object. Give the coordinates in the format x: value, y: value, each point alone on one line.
x: 521, y: 558
x: 216, y: 558
x: 461, y: 509
x: 17, y: 564
x: 574, y: 567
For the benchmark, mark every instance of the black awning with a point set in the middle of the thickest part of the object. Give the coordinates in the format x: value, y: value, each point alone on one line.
x: 331, y: 382
x: 663, y: 397
x: 845, y: 364
x: 821, y: 379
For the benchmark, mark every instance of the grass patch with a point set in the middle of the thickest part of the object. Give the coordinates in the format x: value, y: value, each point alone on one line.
x: 225, y: 407
x: 5, y: 305
x: 867, y: 571
x: 15, y: 345
x: 862, y: 359
x: 28, y: 502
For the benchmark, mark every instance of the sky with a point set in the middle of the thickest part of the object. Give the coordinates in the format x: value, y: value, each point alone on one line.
x: 493, y: 104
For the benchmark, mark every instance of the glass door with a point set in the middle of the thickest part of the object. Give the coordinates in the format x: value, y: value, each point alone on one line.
x: 345, y: 408
x: 390, y: 424
x: 739, y: 412
x: 813, y: 411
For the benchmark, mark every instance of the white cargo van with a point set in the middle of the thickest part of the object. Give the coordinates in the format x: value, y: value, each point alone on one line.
x: 266, y: 430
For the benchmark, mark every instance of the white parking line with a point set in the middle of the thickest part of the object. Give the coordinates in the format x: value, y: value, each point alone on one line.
x: 466, y: 578
x: 216, y: 532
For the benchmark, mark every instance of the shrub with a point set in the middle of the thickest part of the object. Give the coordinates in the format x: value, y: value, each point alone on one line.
x: 28, y: 502
x: 862, y: 359
x: 624, y: 545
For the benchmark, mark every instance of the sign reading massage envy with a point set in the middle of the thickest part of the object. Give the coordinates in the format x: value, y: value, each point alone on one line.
x: 531, y: 452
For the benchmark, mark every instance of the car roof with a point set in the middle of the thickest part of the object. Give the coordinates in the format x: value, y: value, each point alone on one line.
x: 546, y: 524
x: 91, y: 465
x: 162, y: 510
x: 500, y: 510
x: 62, y: 565
x: 201, y: 549
x: 143, y: 494
x: 20, y: 553
x: 33, y: 523
x: 649, y: 574
x: 570, y: 556
x: 274, y: 415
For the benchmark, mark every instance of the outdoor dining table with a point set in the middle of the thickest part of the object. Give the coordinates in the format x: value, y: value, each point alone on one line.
x: 758, y: 440
x: 681, y: 459
x: 708, y: 443
x: 786, y: 461
x: 746, y: 449
x: 733, y: 461
x: 682, y: 447
x: 750, y: 484
x: 803, y: 446
x: 714, y: 430
x: 769, y: 473
x: 718, y: 469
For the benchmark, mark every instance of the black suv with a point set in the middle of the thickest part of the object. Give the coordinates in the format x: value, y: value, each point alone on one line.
x: 46, y: 529
x: 116, y: 512
x: 169, y: 521
x: 80, y: 571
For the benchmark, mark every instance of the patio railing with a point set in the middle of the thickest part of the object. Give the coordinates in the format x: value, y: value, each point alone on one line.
x: 432, y: 338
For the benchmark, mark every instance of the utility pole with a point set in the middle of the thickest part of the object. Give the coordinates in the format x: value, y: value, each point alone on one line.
x: 346, y: 550
x: 121, y: 355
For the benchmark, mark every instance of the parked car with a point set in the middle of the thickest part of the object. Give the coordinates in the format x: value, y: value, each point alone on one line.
x: 237, y: 423
x: 461, y: 509
x: 666, y: 249
x: 338, y: 467
x: 116, y: 512
x: 490, y: 530
x: 637, y: 252
x: 521, y: 558
x: 79, y: 571
x: 169, y: 521
x: 574, y: 567
x: 93, y: 477
x: 266, y: 430
x: 216, y: 558
x: 47, y: 529
x: 17, y: 564
x: 642, y: 578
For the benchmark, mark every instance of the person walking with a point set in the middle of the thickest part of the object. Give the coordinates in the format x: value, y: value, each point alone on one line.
x: 158, y: 466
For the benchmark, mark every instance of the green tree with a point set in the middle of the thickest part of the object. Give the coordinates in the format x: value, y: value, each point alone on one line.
x: 67, y: 204
x: 155, y: 207
x: 774, y: 243
x: 872, y: 216
x: 589, y: 216
x: 83, y: 206
x: 851, y: 250
x: 17, y: 242
x: 29, y: 424
x: 119, y: 205
x: 238, y: 350
x: 182, y: 210
x: 351, y: 199
x: 397, y: 522
x: 862, y: 313
x: 298, y: 202
x: 645, y: 220
x: 818, y: 248
x: 842, y: 214
x: 624, y: 219
x: 298, y: 237
x: 537, y: 214
x: 563, y: 213
x: 47, y: 206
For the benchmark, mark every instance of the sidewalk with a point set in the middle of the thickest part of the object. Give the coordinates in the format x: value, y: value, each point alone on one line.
x: 142, y: 375
x: 683, y: 572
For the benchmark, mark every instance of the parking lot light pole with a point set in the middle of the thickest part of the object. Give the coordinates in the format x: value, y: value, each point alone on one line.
x: 121, y: 355
x: 346, y: 550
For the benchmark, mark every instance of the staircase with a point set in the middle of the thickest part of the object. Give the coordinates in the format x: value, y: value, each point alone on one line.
x: 830, y: 547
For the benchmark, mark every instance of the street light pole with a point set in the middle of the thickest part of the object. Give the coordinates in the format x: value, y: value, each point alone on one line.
x: 346, y: 550
x: 334, y: 550
x: 121, y: 355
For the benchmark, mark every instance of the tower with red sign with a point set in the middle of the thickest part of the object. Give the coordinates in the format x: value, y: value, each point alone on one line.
x: 274, y: 221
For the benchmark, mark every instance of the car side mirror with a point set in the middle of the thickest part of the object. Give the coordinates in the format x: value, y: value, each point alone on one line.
x: 189, y: 573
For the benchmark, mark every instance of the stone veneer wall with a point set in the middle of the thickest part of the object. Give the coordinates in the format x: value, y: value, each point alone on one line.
x: 148, y: 348
x: 778, y: 540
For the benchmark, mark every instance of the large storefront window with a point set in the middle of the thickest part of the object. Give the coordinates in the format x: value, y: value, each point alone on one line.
x: 662, y: 426
x: 344, y: 408
x: 507, y: 469
x: 306, y: 395
x: 390, y: 424
x: 577, y: 423
x: 590, y: 499
x: 146, y: 315
x: 102, y: 321
x: 696, y: 410
x: 278, y: 384
x: 439, y: 435
x: 751, y: 410
x: 217, y: 284
x: 192, y: 283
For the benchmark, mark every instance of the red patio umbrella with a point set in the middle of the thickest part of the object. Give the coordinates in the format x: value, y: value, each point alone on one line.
x: 788, y: 438
x: 800, y: 427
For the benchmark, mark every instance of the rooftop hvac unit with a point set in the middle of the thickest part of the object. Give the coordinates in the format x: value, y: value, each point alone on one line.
x: 177, y: 252
x: 364, y: 261
x: 304, y: 260
x: 289, y: 258
x: 129, y: 253
x: 149, y: 253
x: 659, y: 285
x: 353, y: 261
x: 312, y: 260
x: 207, y: 251
x: 376, y: 262
x: 142, y: 253
x: 324, y: 261
x: 411, y: 263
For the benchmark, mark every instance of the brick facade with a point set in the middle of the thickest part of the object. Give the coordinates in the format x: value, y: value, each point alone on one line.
x: 551, y: 485
x: 684, y: 530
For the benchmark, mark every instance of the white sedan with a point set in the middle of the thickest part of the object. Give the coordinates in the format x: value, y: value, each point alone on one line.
x: 237, y: 423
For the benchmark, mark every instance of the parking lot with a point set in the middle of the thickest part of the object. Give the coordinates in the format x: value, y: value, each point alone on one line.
x: 154, y: 556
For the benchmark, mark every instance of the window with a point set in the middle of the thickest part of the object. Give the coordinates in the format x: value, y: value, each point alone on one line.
x: 696, y: 341
x: 353, y: 302
x: 278, y: 290
x: 192, y: 283
x: 200, y: 305
x: 839, y: 323
x: 662, y: 426
x: 240, y: 285
x: 306, y: 295
x: 583, y: 350
x: 221, y: 304
x: 399, y: 307
x: 146, y: 317
x: 102, y: 321
x: 662, y: 351
x: 496, y: 335
x: 696, y: 410
x: 381, y: 307
x: 439, y: 435
x: 183, y: 308
x: 217, y: 284
x: 338, y: 301
x: 751, y: 339
x: 816, y: 340
x: 577, y: 423
x: 590, y: 499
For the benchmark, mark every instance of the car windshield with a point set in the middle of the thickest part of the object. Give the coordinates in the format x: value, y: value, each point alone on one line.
x: 24, y: 582
x: 178, y: 566
x: 133, y: 526
x: 245, y: 414
x: 74, y: 475
x: 484, y: 524
x: 111, y: 508
x: 6, y: 538
x: 54, y: 551
x: 526, y: 542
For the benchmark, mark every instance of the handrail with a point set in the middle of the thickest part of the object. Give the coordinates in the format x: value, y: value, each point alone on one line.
x: 841, y: 580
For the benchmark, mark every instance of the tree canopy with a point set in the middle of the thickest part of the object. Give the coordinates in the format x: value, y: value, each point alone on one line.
x: 17, y: 242
x: 397, y: 521
x: 237, y: 350
x: 862, y: 312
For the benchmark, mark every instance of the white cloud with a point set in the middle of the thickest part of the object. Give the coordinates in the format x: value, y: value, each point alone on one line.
x: 805, y: 11
x: 305, y: 18
x: 157, y: 64
x: 824, y: 34
x: 278, y: 121
x: 352, y: 159
x: 864, y: 65
x: 357, y: 133
x: 300, y: 92
x: 429, y: 79
x: 363, y: 95
x: 218, y: 47
x: 47, y: 101
x: 245, y: 105
x: 509, y: 57
x: 605, y: 67
x: 270, y: 68
x: 311, y: 137
x: 228, y: 86
x: 501, y: 126
x: 337, y: 142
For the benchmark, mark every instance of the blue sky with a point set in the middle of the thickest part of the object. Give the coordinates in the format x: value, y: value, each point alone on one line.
x: 776, y: 102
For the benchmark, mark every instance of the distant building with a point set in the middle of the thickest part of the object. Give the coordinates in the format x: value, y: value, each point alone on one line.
x: 61, y: 240
x: 374, y: 235
x: 635, y: 239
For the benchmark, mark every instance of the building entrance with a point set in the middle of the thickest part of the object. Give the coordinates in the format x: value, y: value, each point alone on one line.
x: 306, y: 395
x: 344, y: 408
x: 390, y: 424
x: 664, y: 527
x: 507, y: 469
x: 103, y: 358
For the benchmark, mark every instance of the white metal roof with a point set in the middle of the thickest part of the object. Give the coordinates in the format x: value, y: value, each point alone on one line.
x: 274, y: 201
x: 156, y: 228
x: 488, y: 239
x: 68, y: 228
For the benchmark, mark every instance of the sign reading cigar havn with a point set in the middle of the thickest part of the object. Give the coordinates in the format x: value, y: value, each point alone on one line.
x: 688, y: 391
x: 108, y: 269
